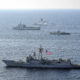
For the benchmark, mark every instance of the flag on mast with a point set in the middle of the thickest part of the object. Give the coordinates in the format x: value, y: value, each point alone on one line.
x: 47, y: 52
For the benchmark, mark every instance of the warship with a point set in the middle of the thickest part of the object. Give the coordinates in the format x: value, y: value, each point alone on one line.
x: 59, y: 33
x: 42, y: 22
x: 41, y: 62
x: 24, y: 27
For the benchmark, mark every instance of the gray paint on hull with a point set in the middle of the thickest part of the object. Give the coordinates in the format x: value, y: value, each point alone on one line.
x: 11, y: 63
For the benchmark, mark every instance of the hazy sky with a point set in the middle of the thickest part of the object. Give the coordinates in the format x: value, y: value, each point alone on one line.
x: 39, y: 4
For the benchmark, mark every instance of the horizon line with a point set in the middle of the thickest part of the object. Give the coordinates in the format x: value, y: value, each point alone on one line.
x: 44, y: 9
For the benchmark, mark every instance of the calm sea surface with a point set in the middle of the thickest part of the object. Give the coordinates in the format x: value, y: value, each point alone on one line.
x: 17, y: 44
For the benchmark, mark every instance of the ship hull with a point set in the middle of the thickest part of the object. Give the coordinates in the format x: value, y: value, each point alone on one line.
x: 27, y: 28
x: 59, y: 33
x: 11, y: 63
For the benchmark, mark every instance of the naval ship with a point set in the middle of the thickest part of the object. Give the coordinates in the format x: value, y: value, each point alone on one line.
x: 59, y: 33
x: 24, y: 27
x: 41, y: 62
x: 42, y: 22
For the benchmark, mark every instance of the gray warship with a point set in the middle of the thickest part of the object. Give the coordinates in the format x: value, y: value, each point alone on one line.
x: 33, y: 62
x: 24, y: 27
x: 59, y: 33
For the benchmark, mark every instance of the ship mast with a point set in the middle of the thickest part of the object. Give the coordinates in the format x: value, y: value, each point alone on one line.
x: 40, y: 52
x: 34, y: 54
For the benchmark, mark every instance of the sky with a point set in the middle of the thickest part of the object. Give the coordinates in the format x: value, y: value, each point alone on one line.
x: 39, y: 4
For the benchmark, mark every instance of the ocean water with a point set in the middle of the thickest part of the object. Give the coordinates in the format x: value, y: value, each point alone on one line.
x: 17, y: 44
